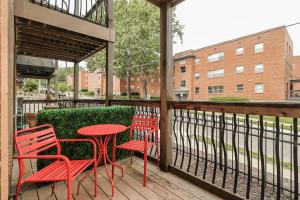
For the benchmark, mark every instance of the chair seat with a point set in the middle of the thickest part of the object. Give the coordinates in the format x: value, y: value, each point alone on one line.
x: 57, y: 171
x: 135, y: 145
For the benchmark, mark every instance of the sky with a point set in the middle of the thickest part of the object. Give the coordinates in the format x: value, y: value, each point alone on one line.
x: 212, y: 21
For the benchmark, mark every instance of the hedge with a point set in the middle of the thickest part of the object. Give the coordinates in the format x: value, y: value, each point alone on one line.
x: 66, y: 122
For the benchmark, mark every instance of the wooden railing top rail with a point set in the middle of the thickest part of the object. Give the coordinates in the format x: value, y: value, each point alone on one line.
x: 281, y: 109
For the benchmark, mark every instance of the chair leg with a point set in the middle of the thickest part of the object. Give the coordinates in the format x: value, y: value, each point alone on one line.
x: 18, y: 190
x: 52, y: 187
x: 69, y: 189
x: 145, y: 168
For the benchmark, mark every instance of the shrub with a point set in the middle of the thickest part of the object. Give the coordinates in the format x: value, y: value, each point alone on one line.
x: 135, y: 94
x: 66, y: 122
x: 84, y: 90
x: 90, y: 93
x: 229, y: 99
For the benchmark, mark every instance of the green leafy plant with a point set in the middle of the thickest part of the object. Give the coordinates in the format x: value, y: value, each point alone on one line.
x: 66, y: 122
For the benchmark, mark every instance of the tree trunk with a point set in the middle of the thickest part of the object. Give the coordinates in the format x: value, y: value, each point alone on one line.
x: 145, y: 89
x: 128, y: 86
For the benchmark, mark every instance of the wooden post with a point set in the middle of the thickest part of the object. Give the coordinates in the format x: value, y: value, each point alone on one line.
x: 76, y: 81
x: 166, y: 88
x: 56, y: 80
x: 109, y: 58
x: 7, y: 65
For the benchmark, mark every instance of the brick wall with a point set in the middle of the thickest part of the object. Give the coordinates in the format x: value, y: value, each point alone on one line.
x: 275, y: 58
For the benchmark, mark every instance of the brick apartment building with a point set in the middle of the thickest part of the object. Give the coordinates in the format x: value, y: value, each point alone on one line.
x: 257, y: 66
x: 96, y: 82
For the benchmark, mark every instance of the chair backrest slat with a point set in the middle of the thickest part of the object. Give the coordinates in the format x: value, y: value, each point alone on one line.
x: 35, y: 140
x: 144, y: 122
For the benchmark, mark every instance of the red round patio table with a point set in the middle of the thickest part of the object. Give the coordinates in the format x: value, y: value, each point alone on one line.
x: 102, y: 134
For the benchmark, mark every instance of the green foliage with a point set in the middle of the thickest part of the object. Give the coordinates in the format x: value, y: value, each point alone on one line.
x: 229, y: 99
x: 90, y: 93
x: 62, y: 73
x: 62, y: 87
x: 84, y: 90
x: 137, y: 25
x: 66, y: 122
x: 30, y: 85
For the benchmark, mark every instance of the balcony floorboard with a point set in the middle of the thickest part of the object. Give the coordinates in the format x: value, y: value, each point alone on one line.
x: 161, y: 185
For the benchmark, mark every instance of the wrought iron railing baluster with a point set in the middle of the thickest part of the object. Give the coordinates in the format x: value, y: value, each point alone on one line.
x: 261, y: 152
x: 214, y: 146
x: 204, y: 142
x: 248, y: 157
x: 295, y: 155
x: 235, y: 153
x: 277, y: 149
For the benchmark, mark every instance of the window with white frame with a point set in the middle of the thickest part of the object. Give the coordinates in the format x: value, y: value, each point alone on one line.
x: 215, y: 57
x: 215, y: 89
x: 239, y: 69
x: 240, y: 87
x: 215, y: 73
x: 259, y: 48
x: 183, y: 83
x: 259, y: 68
x: 197, y: 61
x: 197, y: 90
x: 182, y: 69
x: 239, y: 51
x: 132, y: 87
x: 259, y: 88
x: 197, y: 75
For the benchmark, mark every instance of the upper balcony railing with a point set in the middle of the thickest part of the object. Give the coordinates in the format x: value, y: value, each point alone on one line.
x: 94, y: 11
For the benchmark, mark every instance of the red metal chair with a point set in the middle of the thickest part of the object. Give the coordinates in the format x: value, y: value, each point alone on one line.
x: 145, y: 125
x: 30, y: 142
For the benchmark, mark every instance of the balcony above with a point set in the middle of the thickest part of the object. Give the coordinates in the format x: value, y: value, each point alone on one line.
x: 61, y: 31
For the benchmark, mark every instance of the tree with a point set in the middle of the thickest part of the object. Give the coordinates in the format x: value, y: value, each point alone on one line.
x: 63, y: 87
x: 30, y: 85
x: 137, y: 26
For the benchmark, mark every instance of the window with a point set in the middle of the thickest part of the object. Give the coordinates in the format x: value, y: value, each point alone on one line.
x: 132, y: 87
x: 152, y: 80
x: 215, y: 73
x: 259, y: 88
x: 215, y: 89
x: 239, y: 51
x: 197, y: 75
x: 182, y: 69
x: 215, y: 57
x: 259, y: 68
x: 197, y: 61
x: 239, y: 69
x: 240, y: 87
x: 197, y: 90
x: 259, y: 48
x: 132, y: 78
x: 183, y: 83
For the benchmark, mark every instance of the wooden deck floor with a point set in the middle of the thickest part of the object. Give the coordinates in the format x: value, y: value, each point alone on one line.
x: 160, y: 185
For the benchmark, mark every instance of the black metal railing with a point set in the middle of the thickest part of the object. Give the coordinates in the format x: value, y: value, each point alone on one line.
x: 248, y: 149
x: 94, y: 11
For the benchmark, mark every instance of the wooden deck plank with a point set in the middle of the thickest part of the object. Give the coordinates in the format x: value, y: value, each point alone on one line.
x: 161, y: 191
x: 185, y: 185
x: 165, y: 183
x: 122, y: 186
x: 106, y: 187
x: 88, y: 185
x: 144, y: 191
x: 83, y: 195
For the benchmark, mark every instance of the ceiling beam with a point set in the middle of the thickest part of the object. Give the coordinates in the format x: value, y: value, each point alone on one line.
x: 176, y: 2
x: 159, y: 2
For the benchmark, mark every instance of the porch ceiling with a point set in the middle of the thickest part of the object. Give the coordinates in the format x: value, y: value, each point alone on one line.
x: 45, y: 41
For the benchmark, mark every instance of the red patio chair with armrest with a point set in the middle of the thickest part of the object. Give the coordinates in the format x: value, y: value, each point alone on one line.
x: 146, y: 125
x: 32, y: 141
